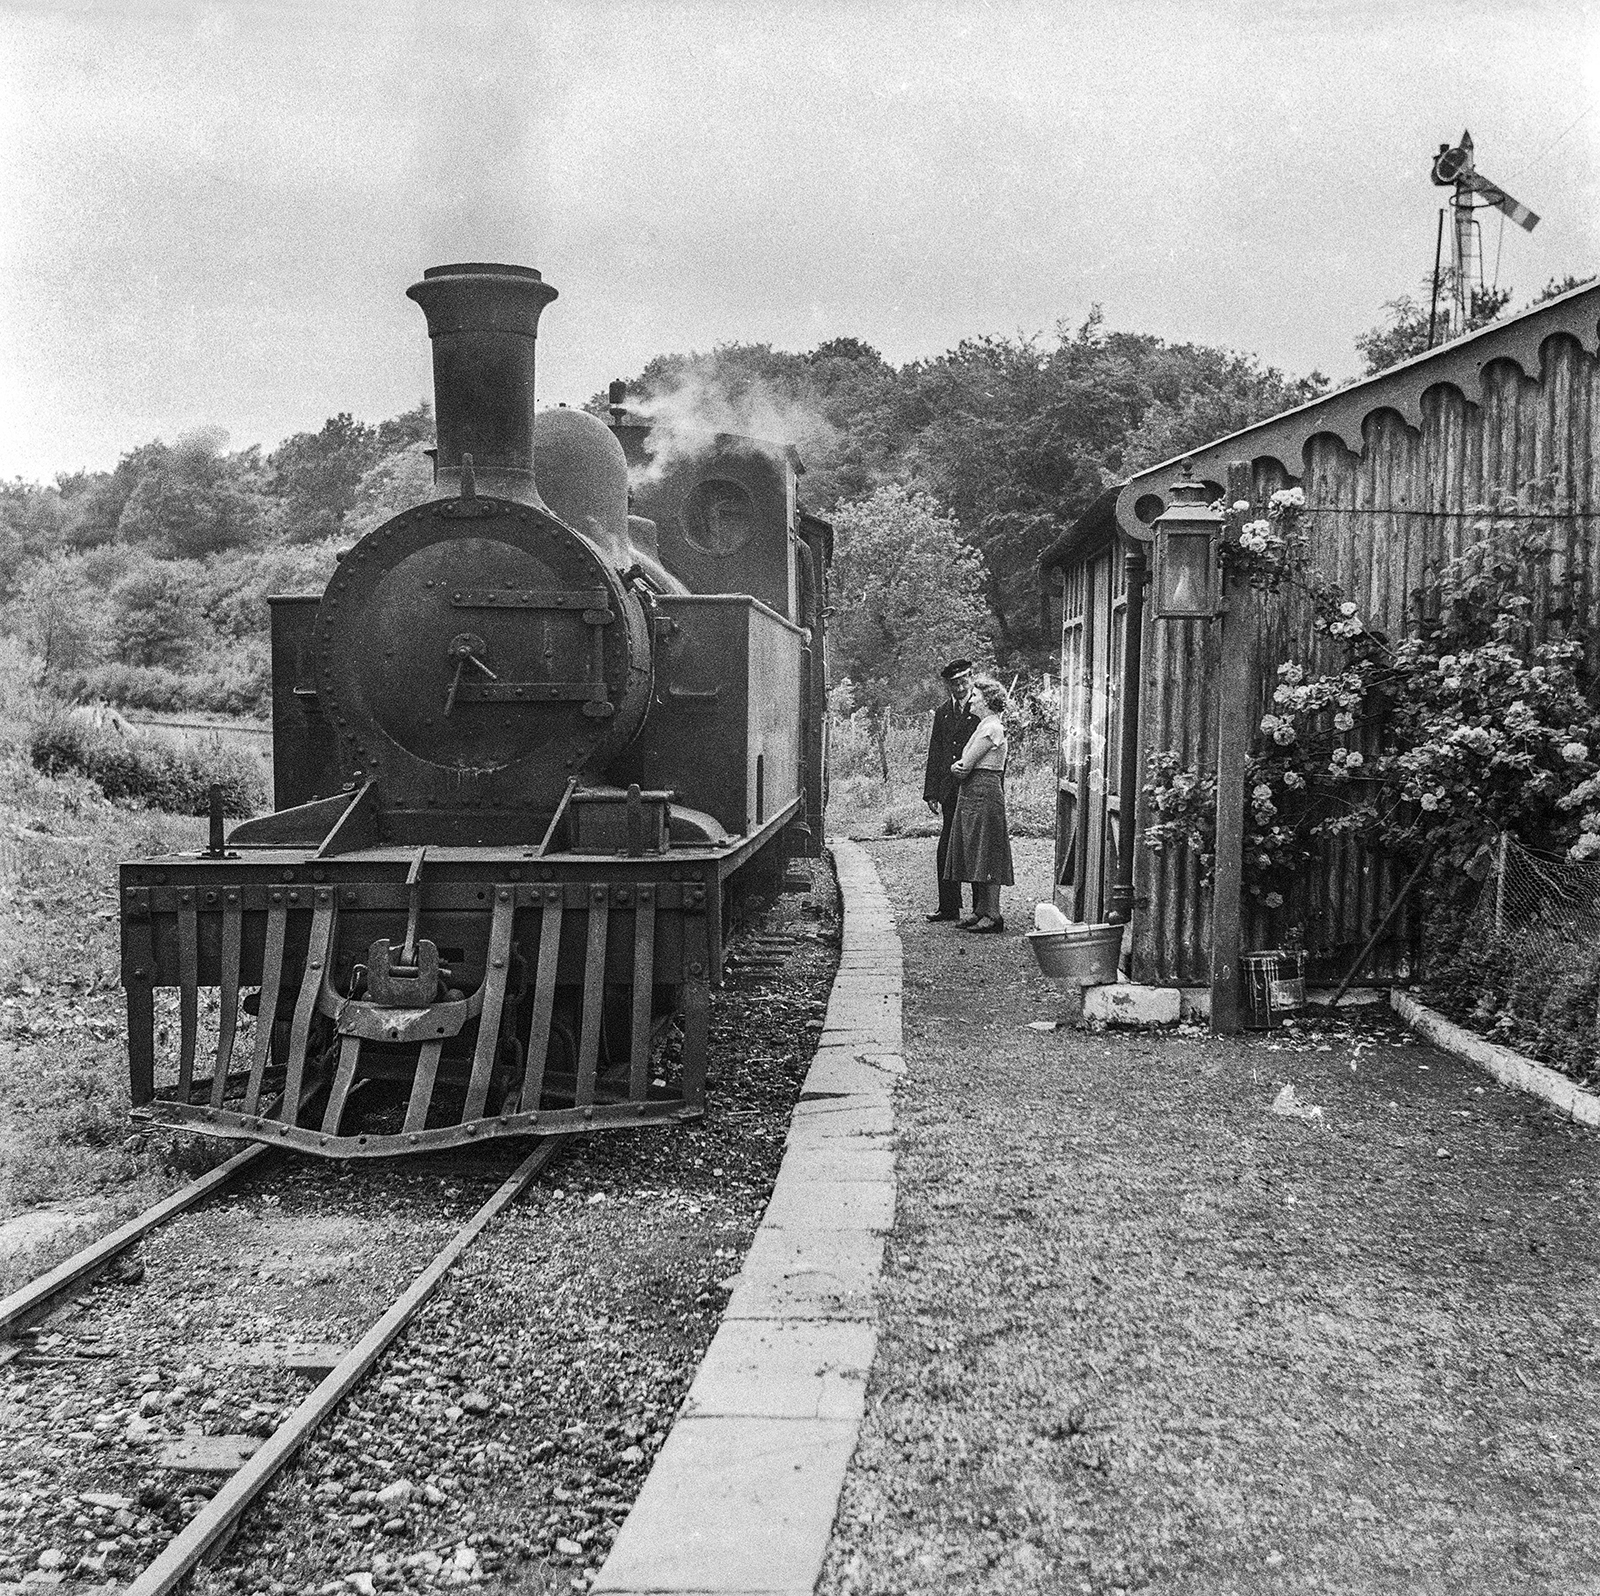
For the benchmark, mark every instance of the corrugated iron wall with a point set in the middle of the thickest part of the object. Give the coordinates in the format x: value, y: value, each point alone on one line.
x: 1379, y: 521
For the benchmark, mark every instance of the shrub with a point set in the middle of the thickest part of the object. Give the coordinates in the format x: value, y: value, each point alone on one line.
x: 152, y: 687
x: 235, y: 682
x: 135, y: 770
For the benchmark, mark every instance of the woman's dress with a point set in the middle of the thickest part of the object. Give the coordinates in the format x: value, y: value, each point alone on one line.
x: 980, y: 840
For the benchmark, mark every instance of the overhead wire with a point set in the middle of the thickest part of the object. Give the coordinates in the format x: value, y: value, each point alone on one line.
x: 1527, y: 166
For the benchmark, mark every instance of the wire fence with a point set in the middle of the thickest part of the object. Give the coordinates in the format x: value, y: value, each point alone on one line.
x: 1532, y: 949
x: 1545, y: 905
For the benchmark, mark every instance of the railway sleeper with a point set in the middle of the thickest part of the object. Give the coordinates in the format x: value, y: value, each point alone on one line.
x: 545, y: 1011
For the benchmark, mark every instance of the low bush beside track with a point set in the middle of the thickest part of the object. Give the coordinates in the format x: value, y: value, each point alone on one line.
x: 129, y: 768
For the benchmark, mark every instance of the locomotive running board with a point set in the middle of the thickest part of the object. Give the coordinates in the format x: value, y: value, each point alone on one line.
x: 199, y: 1105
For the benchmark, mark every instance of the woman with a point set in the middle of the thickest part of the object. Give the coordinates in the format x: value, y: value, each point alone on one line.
x: 980, y: 842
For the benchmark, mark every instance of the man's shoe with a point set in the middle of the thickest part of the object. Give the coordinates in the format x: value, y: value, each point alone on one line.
x: 933, y: 919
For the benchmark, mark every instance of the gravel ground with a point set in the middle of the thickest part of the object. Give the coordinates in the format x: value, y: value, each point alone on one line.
x: 505, y: 1434
x: 1140, y: 1333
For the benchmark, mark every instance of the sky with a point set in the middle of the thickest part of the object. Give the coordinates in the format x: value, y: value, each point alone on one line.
x: 209, y: 213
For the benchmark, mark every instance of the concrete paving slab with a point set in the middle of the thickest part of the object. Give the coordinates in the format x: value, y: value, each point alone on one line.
x: 831, y: 1115
x: 848, y: 1073
x: 832, y: 1205
x: 836, y: 1158
x: 875, y: 1021
x: 866, y: 983
x: 785, y: 1369
x: 831, y: 1292
x: 733, y: 1504
x: 797, y: 1249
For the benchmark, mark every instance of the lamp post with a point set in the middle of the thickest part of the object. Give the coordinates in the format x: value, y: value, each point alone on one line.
x: 1189, y: 586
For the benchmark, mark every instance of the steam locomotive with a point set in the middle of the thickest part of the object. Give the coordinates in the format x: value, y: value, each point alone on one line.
x: 532, y: 746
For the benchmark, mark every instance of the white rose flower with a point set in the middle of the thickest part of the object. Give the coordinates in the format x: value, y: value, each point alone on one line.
x: 1575, y: 753
x: 1347, y: 608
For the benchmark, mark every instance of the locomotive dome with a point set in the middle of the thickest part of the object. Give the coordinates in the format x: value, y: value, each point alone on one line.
x: 582, y: 475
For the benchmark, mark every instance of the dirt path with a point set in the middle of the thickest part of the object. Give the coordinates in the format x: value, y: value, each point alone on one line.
x: 1142, y: 1334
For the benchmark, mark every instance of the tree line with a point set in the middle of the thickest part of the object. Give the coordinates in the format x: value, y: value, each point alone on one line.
x: 146, y: 585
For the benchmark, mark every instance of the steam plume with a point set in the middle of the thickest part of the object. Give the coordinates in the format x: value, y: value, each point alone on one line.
x: 686, y: 417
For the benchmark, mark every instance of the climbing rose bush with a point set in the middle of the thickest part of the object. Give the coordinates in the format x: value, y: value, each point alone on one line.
x: 1468, y: 727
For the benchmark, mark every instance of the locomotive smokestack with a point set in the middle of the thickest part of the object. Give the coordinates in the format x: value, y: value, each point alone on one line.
x: 483, y: 320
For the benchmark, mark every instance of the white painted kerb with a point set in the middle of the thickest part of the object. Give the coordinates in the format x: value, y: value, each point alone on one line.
x: 742, y: 1498
x: 1507, y: 1067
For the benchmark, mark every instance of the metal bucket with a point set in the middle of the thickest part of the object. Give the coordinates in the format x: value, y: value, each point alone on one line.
x: 1274, y: 985
x: 1086, y: 955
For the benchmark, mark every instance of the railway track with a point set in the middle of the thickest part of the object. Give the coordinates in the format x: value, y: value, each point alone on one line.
x: 513, y: 1420
x: 53, y: 1328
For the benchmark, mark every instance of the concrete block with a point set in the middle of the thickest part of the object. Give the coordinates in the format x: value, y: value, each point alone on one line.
x: 832, y: 1205
x: 734, y: 1505
x: 784, y: 1369
x: 1129, y: 1004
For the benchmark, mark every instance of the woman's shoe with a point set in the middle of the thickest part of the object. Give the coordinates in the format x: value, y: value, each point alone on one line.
x: 966, y: 922
x: 987, y: 927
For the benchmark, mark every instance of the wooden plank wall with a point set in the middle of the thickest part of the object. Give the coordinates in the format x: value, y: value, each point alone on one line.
x: 1378, y: 521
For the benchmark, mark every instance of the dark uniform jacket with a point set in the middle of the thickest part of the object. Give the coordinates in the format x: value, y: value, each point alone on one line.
x: 952, y: 726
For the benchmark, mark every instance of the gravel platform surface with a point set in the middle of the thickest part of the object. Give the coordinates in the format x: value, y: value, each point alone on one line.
x: 502, y: 1439
x: 1141, y: 1333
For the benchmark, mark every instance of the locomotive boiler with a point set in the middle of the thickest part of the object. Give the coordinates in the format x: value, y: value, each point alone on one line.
x: 531, y: 748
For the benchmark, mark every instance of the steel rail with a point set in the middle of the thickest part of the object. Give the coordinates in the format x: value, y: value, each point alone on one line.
x: 215, y: 1522
x: 32, y: 1298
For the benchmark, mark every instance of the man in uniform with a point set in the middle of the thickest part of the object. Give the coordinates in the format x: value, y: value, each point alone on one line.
x: 952, y: 726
